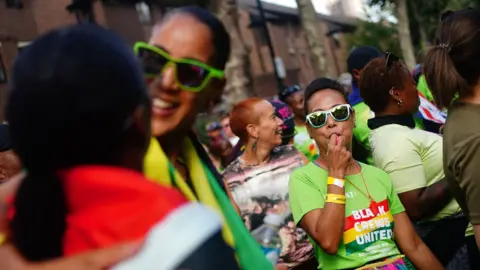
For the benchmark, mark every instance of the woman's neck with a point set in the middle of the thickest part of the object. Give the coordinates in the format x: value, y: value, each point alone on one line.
x: 257, y: 155
x: 390, y: 110
x: 353, y: 167
x: 474, y: 97
x: 299, y: 122
x: 172, y: 146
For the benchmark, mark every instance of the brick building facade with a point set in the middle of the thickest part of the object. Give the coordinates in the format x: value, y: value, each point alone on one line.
x: 19, y: 26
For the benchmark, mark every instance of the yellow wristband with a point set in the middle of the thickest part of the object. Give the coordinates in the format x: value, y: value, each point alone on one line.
x: 335, y: 181
x: 335, y: 198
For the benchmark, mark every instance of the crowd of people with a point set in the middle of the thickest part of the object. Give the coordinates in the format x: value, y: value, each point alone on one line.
x: 101, y: 167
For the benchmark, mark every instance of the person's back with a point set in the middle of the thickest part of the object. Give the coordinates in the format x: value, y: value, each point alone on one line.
x: 357, y: 60
x: 411, y: 157
x: 452, y: 72
x: 84, y: 188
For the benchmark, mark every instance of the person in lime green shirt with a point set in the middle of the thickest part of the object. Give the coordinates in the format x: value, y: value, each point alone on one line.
x: 358, y: 58
x: 414, y: 161
x: 350, y: 210
x: 293, y: 97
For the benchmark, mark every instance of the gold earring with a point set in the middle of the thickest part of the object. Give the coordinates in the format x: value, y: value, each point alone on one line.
x: 399, y: 103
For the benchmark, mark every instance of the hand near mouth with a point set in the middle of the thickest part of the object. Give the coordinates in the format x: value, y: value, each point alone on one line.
x: 337, y: 157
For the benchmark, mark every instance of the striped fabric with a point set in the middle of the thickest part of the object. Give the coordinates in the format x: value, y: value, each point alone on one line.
x: 172, y: 241
x: 109, y: 205
x: 429, y: 111
x: 205, y: 188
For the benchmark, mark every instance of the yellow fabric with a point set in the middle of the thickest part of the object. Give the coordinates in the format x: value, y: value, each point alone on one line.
x: 156, y: 169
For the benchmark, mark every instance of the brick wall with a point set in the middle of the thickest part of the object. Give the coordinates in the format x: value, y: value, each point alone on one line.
x: 23, y: 25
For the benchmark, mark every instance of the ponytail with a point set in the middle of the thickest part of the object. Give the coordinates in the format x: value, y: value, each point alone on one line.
x: 39, y: 222
x: 452, y: 66
x: 442, y: 77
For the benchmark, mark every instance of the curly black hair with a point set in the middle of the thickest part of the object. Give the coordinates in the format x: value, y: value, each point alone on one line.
x: 376, y: 80
x: 322, y: 84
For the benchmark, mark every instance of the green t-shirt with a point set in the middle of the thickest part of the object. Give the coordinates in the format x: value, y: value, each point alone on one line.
x: 304, y: 143
x: 368, y: 233
x: 361, y: 132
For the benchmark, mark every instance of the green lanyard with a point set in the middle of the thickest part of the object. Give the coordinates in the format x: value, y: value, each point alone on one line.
x: 171, y: 173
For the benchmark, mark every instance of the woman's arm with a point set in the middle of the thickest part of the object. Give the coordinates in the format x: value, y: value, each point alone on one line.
x: 463, y: 166
x: 424, y: 202
x: 322, y: 221
x: 326, y: 225
x: 405, y: 168
x: 412, y: 246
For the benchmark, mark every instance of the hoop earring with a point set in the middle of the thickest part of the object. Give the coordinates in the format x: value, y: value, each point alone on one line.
x: 254, y: 145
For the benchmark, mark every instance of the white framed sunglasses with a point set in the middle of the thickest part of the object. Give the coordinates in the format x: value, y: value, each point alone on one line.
x: 339, y: 113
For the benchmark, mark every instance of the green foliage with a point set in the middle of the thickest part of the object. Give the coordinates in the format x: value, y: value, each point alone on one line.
x: 459, y: 4
x: 429, y: 12
x: 424, y: 17
x: 381, y: 35
x: 429, y: 15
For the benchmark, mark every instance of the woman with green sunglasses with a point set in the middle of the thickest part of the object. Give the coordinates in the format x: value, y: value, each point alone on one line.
x: 350, y: 210
x: 183, y: 64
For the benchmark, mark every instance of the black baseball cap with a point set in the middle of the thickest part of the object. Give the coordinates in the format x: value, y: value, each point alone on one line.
x: 288, y: 91
x: 360, y: 56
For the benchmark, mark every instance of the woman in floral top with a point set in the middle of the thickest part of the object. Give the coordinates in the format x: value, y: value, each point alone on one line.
x: 258, y: 179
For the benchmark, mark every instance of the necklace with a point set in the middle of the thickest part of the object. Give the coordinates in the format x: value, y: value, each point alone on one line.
x: 367, y: 194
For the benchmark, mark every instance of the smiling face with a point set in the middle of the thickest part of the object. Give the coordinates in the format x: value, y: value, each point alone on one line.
x: 268, y: 128
x: 173, y: 109
x: 322, y: 101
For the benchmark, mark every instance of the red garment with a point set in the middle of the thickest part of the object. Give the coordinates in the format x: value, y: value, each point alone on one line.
x: 109, y: 205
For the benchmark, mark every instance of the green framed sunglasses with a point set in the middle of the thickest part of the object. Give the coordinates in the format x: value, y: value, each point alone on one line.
x: 190, y: 75
x: 339, y: 113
